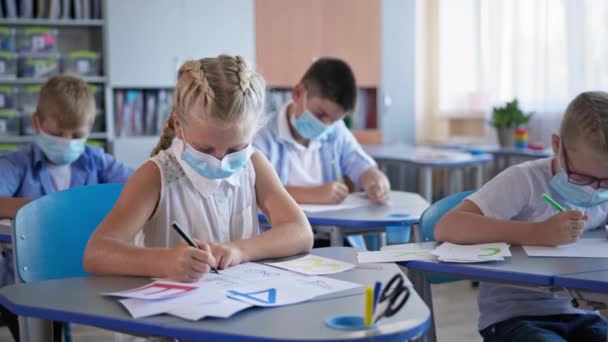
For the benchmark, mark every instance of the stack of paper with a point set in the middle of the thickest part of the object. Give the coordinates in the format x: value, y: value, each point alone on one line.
x: 450, y: 252
x: 235, y: 289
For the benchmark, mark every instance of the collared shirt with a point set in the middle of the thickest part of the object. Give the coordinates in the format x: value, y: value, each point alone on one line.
x: 25, y: 173
x: 339, y: 145
x: 305, y: 164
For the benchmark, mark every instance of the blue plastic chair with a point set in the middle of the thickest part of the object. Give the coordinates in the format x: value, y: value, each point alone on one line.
x: 52, y: 232
x: 426, y: 225
x: 429, y: 220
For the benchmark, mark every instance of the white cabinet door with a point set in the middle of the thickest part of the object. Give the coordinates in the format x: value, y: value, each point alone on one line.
x: 144, y: 42
x: 215, y: 27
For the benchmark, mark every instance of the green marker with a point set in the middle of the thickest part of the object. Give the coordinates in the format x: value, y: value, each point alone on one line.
x: 553, y: 203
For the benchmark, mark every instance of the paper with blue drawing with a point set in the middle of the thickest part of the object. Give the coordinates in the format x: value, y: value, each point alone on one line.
x: 234, y: 289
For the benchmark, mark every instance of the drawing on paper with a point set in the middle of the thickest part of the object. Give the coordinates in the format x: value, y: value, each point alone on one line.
x: 267, y: 296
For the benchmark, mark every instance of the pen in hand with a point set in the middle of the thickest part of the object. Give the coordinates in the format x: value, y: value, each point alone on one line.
x: 189, y: 241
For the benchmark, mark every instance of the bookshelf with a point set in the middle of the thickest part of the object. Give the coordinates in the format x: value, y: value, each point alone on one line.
x: 71, y: 35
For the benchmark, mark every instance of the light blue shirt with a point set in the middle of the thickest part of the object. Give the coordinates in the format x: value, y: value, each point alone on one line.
x: 339, y: 145
x: 25, y: 172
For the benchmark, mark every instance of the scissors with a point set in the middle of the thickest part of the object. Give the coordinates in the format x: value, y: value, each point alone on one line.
x: 392, y: 297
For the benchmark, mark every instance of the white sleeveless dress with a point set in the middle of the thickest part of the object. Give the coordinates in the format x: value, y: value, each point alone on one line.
x: 208, y: 210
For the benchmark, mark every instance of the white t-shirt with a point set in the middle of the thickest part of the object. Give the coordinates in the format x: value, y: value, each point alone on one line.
x: 60, y: 176
x: 516, y: 195
x: 305, y: 162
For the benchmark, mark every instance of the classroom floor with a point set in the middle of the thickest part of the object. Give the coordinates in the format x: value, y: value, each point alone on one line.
x: 456, y: 317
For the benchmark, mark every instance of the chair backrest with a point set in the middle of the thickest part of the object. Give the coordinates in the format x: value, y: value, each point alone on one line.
x: 427, y: 223
x: 51, y: 232
x: 429, y: 218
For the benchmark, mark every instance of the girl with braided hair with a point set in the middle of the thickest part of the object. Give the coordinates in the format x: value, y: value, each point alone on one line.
x: 206, y: 176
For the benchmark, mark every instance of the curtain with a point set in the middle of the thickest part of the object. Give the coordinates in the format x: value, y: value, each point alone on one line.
x: 542, y: 52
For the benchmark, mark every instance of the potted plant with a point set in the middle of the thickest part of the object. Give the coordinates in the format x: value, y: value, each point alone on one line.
x: 506, y: 119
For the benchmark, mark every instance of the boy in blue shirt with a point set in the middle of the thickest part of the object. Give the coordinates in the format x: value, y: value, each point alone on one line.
x: 308, y: 137
x: 59, y: 159
x: 510, y: 209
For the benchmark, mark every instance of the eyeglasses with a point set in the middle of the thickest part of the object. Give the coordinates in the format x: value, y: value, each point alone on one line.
x: 580, y: 178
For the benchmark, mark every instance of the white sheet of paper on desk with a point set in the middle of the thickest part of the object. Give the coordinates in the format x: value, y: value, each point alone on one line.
x: 252, y: 271
x: 394, y: 255
x: 450, y: 252
x: 313, y: 265
x: 583, y: 248
x: 156, y: 290
x: 352, y: 201
x: 288, y: 290
x: 223, y: 308
x: 139, y: 308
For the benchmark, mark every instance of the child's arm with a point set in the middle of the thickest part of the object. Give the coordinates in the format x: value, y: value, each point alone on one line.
x: 376, y: 185
x: 466, y: 224
x: 113, y: 170
x: 10, y: 205
x: 488, y: 215
x: 290, y: 233
x: 330, y: 193
x: 110, y: 250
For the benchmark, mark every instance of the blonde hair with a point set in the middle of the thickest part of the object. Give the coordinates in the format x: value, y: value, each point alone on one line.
x: 70, y: 100
x: 227, y: 88
x: 586, y: 118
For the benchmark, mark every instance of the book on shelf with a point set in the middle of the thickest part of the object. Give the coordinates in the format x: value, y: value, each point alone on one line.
x: 141, y: 112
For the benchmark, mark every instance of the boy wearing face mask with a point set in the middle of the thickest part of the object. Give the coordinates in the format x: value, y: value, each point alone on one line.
x: 510, y: 209
x: 309, y: 145
x: 58, y: 159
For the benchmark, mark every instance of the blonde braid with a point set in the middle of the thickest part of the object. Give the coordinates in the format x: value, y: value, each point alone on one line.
x: 243, y: 73
x: 166, y: 138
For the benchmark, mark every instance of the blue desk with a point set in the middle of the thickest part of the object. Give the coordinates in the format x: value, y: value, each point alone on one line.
x: 519, y: 270
x: 78, y: 300
x: 502, y: 155
x: 404, y: 209
x: 425, y: 160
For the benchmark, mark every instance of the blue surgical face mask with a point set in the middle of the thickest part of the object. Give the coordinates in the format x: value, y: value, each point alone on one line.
x: 212, y: 168
x: 583, y: 196
x: 309, y: 126
x: 59, y: 150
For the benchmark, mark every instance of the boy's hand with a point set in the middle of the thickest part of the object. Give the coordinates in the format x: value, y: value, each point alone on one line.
x: 332, y: 193
x: 226, y: 254
x: 561, y: 229
x: 187, y: 264
x: 379, y: 192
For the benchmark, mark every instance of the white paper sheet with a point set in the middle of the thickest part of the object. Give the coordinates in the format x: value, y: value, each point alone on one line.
x: 450, y: 252
x: 394, y: 255
x: 354, y: 200
x: 583, y: 248
x: 156, y: 290
x: 314, y: 265
x: 139, y: 308
x: 289, y: 290
x: 222, y: 309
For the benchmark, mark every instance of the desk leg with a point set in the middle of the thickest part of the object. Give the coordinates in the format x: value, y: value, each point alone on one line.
x: 455, y: 176
x: 34, y: 329
x: 424, y: 290
x: 426, y: 183
x: 479, y: 176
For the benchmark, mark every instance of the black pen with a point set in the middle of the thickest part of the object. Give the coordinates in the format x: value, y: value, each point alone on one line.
x: 189, y: 241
